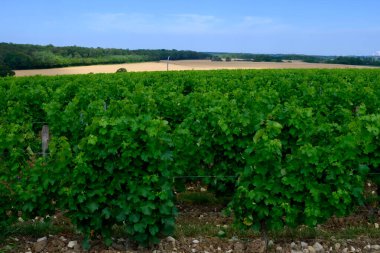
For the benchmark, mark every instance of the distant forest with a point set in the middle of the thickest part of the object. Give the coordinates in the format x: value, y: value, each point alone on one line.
x: 25, y: 56
x: 348, y: 60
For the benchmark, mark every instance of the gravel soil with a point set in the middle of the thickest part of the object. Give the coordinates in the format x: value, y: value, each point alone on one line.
x: 213, y: 219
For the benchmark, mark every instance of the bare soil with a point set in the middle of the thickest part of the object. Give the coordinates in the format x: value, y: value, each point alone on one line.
x: 180, y: 65
x: 198, y: 216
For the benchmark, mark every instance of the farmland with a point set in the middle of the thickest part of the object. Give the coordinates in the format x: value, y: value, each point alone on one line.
x: 181, y: 65
x: 292, y: 147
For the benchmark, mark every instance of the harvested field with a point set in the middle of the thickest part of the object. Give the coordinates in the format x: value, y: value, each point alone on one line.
x: 180, y: 65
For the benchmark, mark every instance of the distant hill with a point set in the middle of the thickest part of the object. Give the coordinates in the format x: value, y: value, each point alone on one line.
x: 26, y: 56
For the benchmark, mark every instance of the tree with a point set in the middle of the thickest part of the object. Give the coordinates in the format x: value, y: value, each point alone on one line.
x: 6, y: 71
x: 228, y: 58
x: 216, y: 58
x: 120, y: 70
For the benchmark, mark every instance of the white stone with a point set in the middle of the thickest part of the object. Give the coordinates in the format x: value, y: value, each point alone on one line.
x: 40, y: 244
x: 367, y: 247
x: 376, y: 225
x: 170, y: 239
x: 311, y: 249
x: 195, y: 241
x: 345, y: 250
x: 42, y: 239
x: 279, y: 249
x: 270, y: 244
x: 234, y: 239
x: 352, y: 249
x: 375, y: 247
x: 293, y: 245
x: 304, y: 245
x: 72, y: 244
x: 337, y: 246
x: 318, y: 247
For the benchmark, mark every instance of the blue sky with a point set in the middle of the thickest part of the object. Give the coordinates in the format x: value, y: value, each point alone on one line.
x: 328, y: 27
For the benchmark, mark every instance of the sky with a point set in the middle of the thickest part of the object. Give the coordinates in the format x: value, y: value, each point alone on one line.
x: 317, y: 27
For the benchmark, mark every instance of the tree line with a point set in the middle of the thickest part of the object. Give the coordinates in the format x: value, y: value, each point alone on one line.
x: 348, y: 60
x: 26, y: 56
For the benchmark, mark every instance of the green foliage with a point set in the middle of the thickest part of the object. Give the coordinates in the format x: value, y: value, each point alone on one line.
x: 121, y: 70
x: 292, y: 146
x: 348, y: 60
x: 6, y: 71
x: 24, y: 56
x: 351, y: 60
x: 121, y: 176
x: 216, y: 58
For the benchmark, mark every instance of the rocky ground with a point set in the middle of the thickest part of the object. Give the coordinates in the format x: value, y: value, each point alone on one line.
x: 187, y: 240
x: 204, y: 228
x: 56, y: 243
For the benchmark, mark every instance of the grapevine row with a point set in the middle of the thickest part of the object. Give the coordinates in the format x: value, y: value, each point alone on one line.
x: 300, y: 143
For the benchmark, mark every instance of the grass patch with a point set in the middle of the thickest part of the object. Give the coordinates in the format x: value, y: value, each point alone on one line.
x: 28, y: 229
x: 193, y: 227
x: 197, y: 198
x: 34, y: 229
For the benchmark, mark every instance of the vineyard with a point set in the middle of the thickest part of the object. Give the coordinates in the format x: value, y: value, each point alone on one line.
x: 292, y: 147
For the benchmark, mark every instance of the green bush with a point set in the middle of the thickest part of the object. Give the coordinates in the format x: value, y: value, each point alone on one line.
x: 122, y: 176
x: 6, y: 71
x: 121, y: 70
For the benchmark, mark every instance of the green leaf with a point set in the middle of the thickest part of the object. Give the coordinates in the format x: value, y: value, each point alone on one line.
x: 139, y: 227
x: 134, y: 218
x: 92, y: 206
x: 153, y: 230
x: 106, y: 212
x: 92, y: 140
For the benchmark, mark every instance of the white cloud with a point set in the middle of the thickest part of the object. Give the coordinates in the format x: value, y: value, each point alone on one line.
x: 142, y: 23
x: 257, y: 21
x: 377, y: 53
x: 258, y: 25
x: 181, y: 24
x: 123, y: 22
x: 193, y: 23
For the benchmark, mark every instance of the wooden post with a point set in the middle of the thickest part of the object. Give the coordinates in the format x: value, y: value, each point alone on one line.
x: 45, y: 139
x: 167, y: 64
